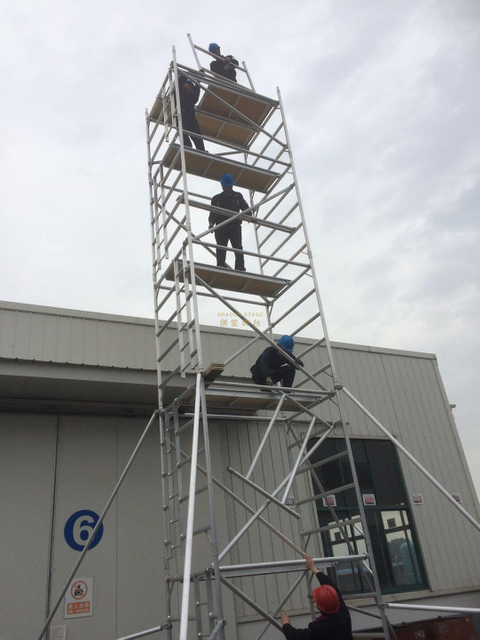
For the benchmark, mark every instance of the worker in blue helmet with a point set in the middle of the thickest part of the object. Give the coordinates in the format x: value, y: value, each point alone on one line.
x: 223, y: 64
x: 272, y: 366
x: 189, y: 94
x: 232, y: 231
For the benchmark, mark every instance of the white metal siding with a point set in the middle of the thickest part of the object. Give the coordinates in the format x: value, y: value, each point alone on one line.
x: 126, y: 565
x: 27, y: 457
x: 30, y: 334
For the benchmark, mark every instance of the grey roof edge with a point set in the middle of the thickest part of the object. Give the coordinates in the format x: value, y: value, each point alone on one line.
x: 110, y: 317
x: 387, y: 350
x: 74, y: 313
x: 39, y: 366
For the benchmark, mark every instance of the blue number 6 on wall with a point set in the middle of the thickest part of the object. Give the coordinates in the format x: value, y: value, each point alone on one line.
x: 78, y: 528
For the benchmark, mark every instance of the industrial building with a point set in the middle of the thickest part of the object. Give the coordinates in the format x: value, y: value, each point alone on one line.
x: 77, y: 390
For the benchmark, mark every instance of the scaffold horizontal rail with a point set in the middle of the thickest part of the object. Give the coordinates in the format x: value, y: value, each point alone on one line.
x: 206, y: 165
x: 230, y: 280
x: 206, y: 206
x: 282, y: 566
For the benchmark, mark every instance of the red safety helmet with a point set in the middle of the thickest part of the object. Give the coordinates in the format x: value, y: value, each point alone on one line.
x: 326, y: 599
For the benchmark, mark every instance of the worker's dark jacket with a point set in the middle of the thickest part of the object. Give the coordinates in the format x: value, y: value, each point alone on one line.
x: 326, y: 627
x: 269, y: 362
x: 188, y: 99
x: 218, y: 66
x: 233, y: 201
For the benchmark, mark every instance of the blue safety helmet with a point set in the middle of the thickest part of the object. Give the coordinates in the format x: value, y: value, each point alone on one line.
x: 287, y: 343
x: 227, y: 180
x: 213, y: 46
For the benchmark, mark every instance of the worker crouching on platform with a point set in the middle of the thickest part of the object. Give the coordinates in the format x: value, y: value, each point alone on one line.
x: 223, y: 67
x: 232, y: 231
x: 334, y: 623
x: 272, y: 367
x: 189, y: 94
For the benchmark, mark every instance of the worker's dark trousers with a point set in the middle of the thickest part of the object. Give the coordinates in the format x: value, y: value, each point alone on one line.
x: 189, y: 122
x: 285, y: 375
x: 232, y: 232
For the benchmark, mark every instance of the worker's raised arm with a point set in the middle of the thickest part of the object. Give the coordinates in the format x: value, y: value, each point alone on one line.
x: 322, y: 577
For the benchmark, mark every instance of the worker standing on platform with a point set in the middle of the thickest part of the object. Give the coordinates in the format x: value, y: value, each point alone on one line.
x: 223, y: 67
x: 271, y: 366
x: 189, y: 94
x: 334, y: 623
x: 233, y: 201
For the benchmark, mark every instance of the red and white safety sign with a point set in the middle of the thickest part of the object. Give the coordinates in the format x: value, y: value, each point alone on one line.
x: 78, y: 599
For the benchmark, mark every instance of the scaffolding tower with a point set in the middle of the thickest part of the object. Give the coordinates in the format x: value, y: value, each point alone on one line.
x: 247, y: 137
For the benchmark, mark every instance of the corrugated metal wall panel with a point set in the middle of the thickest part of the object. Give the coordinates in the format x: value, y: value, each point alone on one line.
x: 27, y: 462
x: 7, y: 333
x: 36, y: 337
x: 50, y: 337
x: 139, y: 538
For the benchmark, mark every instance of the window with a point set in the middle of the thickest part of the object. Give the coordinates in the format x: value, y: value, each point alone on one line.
x: 390, y: 525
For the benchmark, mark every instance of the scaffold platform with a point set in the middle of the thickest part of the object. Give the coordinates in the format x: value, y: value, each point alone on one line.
x: 235, y: 399
x: 226, y: 102
x: 228, y: 279
x: 221, y: 128
x: 207, y: 165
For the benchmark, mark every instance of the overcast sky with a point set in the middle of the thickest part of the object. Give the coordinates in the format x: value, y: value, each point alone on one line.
x: 382, y: 101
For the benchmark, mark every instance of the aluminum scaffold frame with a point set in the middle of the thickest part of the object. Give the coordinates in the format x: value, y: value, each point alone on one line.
x: 249, y: 133
x: 251, y: 140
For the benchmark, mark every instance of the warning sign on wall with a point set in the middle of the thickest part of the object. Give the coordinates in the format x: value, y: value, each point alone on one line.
x: 78, y: 599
